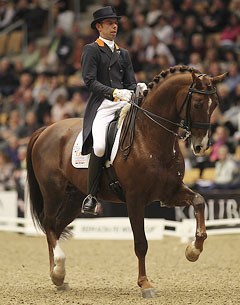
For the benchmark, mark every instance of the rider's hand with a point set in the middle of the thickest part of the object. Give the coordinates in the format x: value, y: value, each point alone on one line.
x: 122, y: 94
x: 142, y: 87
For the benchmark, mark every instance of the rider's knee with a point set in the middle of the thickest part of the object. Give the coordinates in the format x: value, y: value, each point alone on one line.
x: 99, y: 151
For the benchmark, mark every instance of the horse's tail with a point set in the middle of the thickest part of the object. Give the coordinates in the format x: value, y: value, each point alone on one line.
x: 35, y: 195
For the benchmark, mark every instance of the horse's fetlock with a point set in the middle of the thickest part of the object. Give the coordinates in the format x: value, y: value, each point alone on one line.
x: 142, y: 280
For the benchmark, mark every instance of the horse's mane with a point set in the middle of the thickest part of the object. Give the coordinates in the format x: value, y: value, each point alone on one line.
x: 161, y: 76
x: 165, y: 73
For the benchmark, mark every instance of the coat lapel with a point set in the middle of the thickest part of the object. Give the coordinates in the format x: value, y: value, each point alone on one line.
x: 113, y: 55
x: 104, y: 47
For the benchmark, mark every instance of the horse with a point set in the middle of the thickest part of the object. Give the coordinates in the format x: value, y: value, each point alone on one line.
x: 179, y: 97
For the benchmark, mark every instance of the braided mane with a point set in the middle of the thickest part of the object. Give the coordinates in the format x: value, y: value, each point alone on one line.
x: 164, y: 73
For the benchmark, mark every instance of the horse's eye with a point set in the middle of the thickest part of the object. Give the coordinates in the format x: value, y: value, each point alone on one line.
x: 198, y: 105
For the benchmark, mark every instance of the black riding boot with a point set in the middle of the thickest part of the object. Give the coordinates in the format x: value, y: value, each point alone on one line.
x: 89, y: 205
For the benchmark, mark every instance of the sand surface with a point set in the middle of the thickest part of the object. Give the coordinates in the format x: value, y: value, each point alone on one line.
x: 105, y: 272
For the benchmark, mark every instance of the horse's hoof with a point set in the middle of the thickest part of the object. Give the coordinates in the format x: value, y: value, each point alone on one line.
x: 149, y: 293
x: 192, y: 253
x: 57, y: 280
x: 63, y: 287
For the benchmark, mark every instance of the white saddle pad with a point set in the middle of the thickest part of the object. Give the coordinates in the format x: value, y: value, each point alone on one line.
x: 80, y: 161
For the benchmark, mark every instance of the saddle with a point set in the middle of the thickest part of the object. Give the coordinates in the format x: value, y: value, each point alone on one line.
x: 126, y: 141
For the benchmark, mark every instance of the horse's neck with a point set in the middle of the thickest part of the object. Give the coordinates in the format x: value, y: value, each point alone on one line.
x: 163, y: 103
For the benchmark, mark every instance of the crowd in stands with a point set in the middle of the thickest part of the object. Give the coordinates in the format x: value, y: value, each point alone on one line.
x: 44, y: 84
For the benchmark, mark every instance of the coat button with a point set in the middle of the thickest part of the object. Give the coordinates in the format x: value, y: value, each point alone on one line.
x: 121, y: 70
x: 109, y: 68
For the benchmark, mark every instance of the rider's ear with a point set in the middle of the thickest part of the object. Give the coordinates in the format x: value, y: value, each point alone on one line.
x: 217, y: 79
x: 196, y: 80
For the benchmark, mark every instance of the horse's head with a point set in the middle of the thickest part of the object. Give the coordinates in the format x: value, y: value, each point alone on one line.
x: 198, y: 107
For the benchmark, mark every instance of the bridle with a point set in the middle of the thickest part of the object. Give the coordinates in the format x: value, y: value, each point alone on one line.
x: 186, y: 124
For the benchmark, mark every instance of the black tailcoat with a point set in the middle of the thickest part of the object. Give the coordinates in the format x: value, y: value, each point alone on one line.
x: 103, y: 71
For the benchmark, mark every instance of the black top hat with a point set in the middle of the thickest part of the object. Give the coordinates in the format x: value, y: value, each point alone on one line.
x: 103, y: 13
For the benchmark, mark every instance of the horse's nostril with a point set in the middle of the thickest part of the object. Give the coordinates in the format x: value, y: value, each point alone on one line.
x: 198, y: 148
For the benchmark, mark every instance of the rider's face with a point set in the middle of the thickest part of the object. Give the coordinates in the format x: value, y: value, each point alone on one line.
x: 108, y: 28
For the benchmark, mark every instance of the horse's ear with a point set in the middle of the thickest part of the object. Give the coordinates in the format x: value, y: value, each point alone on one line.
x: 218, y: 79
x: 196, y: 80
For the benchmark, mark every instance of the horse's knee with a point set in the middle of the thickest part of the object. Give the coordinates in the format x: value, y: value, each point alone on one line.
x: 198, y: 202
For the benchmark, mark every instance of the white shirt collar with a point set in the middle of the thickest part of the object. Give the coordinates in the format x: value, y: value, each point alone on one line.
x: 109, y: 43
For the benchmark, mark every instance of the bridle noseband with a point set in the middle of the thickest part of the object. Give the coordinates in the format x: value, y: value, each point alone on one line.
x: 186, y: 124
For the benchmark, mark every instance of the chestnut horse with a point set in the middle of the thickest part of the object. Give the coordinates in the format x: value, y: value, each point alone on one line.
x: 154, y: 170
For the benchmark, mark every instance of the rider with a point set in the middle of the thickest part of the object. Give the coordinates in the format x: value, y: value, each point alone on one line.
x: 108, y: 74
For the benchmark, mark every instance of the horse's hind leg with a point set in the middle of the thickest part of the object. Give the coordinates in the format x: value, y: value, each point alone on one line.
x: 56, y: 258
x: 67, y: 211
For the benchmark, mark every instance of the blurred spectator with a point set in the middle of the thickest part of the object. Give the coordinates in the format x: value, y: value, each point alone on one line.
x: 163, y: 30
x: 40, y: 85
x: 233, y: 77
x: 12, y: 125
x: 77, y: 105
x: 137, y: 52
x: 230, y: 33
x: 210, y: 56
x: 25, y: 82
x: 180, y: 51
x: 33, y: 56
x: 153, y: 13
x: 56, y: 89
x: 6, y: 173
x: 195, y: 61
x: 156, y: 48
x: 197, y: 44
x: 216, y: 16
x: 224, y: 97
x: 8, y: 79
x: 60, y: 108
x: 141, y: 29
x: 220, y: 137
x: 7, y: 13
x: 65, y: 16
x: 227, y: 171
x: 27, y: 128
x: 34, y: 16
x: 75, y: 61
x: 43, y: 109
x: 12, y: 149
x: 232, y: 114
x: 125, y: 36
x: 189, y: 28
x: 120, y: 6
x: 60, y: 49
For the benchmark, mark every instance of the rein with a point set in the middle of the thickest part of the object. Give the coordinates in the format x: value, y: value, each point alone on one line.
x: 185, y: 124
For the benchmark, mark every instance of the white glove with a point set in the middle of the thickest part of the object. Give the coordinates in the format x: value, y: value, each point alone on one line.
x: 142, y: 87
x: 122, y: 94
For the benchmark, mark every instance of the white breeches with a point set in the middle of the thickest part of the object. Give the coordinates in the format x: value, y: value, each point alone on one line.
x: 105, y: 114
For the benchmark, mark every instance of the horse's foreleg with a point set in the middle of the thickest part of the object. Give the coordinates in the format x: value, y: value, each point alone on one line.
x: 136, y: 217
x: 194, y: 249
x: 57, y: 260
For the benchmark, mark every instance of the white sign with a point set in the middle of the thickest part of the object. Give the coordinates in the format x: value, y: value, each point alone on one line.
x: 8, y: 203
